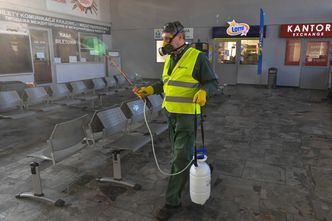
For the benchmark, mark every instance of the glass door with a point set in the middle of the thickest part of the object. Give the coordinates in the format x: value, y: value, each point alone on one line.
x: 226, y: 61
x: 41, y: 56
x: 247, y: 72
x: 315, y: 65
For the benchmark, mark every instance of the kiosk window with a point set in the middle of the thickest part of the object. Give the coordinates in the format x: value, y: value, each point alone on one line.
x: 65, y: 45
x: 317, y: 53
x: 92, y: 48
x: 227, y: 52
x: 249, y: 51
x: 15, y: 56
x: 293, y: 52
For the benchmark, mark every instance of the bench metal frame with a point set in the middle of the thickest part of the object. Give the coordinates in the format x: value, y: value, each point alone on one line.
x: 57, y: 150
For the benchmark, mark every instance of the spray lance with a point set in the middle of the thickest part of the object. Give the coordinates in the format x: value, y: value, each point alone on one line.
x: 134, y: 88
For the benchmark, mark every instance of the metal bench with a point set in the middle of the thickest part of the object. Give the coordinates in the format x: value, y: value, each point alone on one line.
x: 134, y: 111
x: 101, y: 89
x: 121, y: 83
x: 66, y: 139
x: 62, y: 95
x: 81, y: 92
x: 11, y: 106
x: 110, y: 82
x: 39, y: 99
x: 94, y: 129
x: 116, y: 137
x: 154, y: 102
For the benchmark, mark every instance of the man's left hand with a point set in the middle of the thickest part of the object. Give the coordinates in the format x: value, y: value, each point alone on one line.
x: 200, y: 97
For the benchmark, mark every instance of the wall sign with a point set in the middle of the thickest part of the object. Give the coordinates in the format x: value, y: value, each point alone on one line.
x: 221, y: 32
x: 316, y: 30
x: 188, y: 33
x: 52, y: 22
x: 235, y: 28
x: 83, y: 8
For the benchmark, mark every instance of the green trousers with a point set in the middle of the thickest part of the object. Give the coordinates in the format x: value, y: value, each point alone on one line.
x: 182, y: 138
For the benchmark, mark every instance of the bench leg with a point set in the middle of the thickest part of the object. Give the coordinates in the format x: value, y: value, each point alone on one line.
x: 37, y: 188
x: 101, y: 100
x: 117, y: 175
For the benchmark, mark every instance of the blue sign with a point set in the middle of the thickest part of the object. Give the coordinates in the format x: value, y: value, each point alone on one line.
x: 261, y: 42
x: 221, y: 32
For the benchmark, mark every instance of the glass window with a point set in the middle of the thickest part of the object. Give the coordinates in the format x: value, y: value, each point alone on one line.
x: 15, y: 56
x: 158, y: 56
x: 249, y: 51
x: 65, y: 45
x: 293, y: 52
x: 226, y: 52
x: 92, y: 48
x: 317, y: 53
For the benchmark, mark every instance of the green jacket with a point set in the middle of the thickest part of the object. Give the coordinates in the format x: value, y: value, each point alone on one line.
x: 202, y: 73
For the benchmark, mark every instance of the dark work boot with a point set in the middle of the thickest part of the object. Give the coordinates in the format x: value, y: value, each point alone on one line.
x: 167, y: 211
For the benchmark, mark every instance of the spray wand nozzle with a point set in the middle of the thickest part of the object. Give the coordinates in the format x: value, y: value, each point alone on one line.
x: 134, y: 88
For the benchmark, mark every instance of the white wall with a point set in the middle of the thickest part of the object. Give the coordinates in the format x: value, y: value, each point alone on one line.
x: 133, y: 22
x: 78, y: 71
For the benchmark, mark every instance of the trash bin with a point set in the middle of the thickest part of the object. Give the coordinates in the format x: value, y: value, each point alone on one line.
x: 272, y: 78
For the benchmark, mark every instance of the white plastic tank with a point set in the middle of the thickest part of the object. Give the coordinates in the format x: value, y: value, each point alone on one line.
x: 200, y: 181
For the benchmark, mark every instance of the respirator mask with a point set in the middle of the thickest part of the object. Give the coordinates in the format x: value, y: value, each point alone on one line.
x: 172, y: 27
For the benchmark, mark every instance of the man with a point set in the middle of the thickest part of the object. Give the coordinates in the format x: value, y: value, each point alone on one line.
x: 187, y: 80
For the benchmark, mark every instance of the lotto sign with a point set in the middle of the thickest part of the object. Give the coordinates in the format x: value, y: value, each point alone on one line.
x: 317, y: 30
x: 237, y: 28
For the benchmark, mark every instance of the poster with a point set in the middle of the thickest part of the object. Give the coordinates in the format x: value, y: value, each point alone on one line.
x: 83, y: 8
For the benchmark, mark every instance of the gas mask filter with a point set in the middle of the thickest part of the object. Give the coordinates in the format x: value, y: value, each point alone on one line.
x: 166, y: 49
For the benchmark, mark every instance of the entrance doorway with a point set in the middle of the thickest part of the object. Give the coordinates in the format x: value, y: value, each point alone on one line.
x: 236, y: 61
x: 41, y: 56
x: 315, y: 64
x: 226, y: 60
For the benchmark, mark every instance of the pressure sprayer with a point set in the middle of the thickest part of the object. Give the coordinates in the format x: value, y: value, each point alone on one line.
x: 200, y: 173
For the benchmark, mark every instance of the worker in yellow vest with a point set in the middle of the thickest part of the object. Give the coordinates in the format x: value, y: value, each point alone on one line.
x: 186, y: 82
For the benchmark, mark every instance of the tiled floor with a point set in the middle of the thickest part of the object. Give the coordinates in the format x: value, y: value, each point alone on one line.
x: 271, y: 151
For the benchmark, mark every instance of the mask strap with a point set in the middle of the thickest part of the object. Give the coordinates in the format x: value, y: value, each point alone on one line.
x: 175, y: 49
x: 177, y: 32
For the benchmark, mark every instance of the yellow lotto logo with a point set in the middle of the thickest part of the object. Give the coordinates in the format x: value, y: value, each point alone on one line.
x: 237, y: 28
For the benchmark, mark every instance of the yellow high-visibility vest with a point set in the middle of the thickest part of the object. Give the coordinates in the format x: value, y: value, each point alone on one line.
x: 180, y: 87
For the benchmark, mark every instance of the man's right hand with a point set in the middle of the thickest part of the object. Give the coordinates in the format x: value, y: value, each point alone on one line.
x: 145, y: 91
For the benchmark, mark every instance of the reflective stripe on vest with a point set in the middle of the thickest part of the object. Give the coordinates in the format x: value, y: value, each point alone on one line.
x: 180, y: 87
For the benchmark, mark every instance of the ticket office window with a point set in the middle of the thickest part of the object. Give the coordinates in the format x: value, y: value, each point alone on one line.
x: 293, y: 52
x: 92, y: 48
x: 65, y: 45
x: 226, y: 52
x: 249, y: 52
x: 317, y: 53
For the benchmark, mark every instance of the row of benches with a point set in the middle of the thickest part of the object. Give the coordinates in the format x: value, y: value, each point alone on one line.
x: 118, y: 128
x: 38, y: 98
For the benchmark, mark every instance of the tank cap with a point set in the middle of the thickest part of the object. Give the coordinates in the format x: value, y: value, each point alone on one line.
x: 201, y: 153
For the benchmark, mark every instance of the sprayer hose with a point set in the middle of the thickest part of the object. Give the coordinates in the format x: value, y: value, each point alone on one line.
x: 153, y: 150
